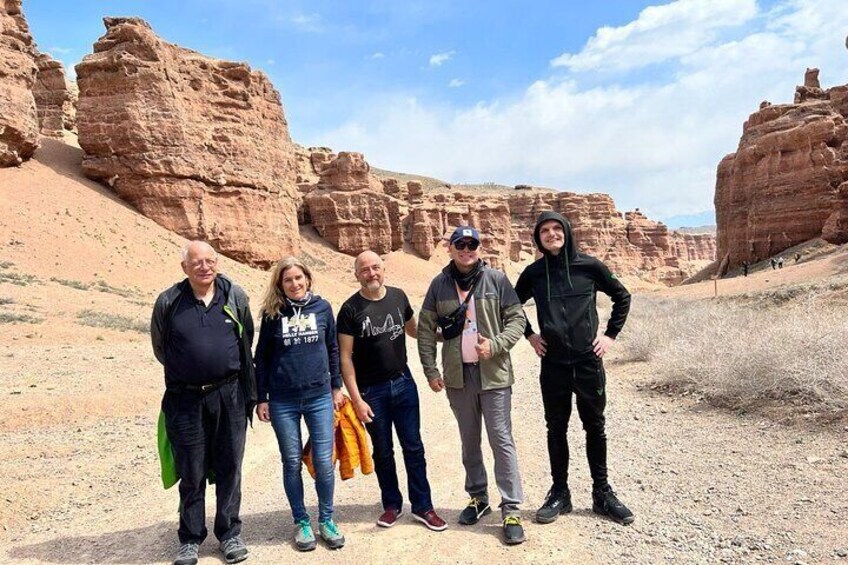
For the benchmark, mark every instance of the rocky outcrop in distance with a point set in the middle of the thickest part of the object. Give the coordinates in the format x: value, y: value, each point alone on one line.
x: 199, y: 145
x: 53, y: 97
x: 787, y: 182
x: 18, y: 72
x: 354, y: 213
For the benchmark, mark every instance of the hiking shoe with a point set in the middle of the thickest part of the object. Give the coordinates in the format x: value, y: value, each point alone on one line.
x: 187, y: 554
x: 513, y: 530
x: 389, y: 518
x: 475, y: 510
x: 557, y: 501
x: 431, y: 520
x: 605, y: 502
x: 331, y: 535
x: 304, y: 537
x: 233, y: 549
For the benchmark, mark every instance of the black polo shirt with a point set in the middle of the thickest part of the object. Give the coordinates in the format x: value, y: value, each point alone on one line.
x: 202, y: 346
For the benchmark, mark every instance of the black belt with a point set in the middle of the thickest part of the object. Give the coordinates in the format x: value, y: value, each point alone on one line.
x: 210, y: 387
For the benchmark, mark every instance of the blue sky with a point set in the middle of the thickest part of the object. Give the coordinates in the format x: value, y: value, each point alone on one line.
x: 636, y: 99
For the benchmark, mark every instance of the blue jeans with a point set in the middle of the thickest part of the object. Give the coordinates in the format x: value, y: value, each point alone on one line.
x: 396, y: 402
x: 285, y: 419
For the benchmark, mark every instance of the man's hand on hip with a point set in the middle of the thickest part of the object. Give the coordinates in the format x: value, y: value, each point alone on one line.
x: 602, y: 344
x: 539, y: 344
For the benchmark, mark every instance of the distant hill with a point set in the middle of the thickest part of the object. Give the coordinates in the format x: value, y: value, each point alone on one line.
x: 431, y: 184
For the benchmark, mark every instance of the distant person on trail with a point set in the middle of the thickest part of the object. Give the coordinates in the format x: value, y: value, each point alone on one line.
x: 480, y: 319
x: 797, y: 256
x: 202, y: 332
x: 298, y: 379
x: 773, y: 262
x: 372, y: 326
x: 564, y: 284
x: 780, y: 262
x: 745, y: 268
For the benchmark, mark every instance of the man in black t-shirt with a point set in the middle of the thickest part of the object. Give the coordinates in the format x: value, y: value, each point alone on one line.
x: 372, y: 343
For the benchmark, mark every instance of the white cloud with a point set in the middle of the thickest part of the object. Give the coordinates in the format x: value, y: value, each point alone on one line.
x: 440, y: 59
x: 378, y: 55
x: 653, y: 142
x: 456, y: 83
x: 308, y: 22
x: 59, y: 50
x: 270, y: 62
x: 658, y: 34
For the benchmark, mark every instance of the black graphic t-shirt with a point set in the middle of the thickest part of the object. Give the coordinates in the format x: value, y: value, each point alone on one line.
x: 379, y: 341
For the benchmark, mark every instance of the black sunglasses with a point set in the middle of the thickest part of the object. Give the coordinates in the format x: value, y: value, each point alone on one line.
x: 471, y: 245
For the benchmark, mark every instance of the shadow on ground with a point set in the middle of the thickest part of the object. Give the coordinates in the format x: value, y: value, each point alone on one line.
x: 158, y: 542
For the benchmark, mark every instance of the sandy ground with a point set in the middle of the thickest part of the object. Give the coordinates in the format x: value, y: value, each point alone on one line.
x: 80, y: 472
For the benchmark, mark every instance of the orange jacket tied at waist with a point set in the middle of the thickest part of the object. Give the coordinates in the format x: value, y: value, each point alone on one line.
x: 350, y: 444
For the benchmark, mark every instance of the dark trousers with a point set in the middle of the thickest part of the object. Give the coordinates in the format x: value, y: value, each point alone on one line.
x: 207, y: 431
x: 396, y: 402
x: 587, y: 381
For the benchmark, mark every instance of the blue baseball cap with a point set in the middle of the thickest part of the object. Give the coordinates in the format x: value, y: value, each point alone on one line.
x: 463, y: 232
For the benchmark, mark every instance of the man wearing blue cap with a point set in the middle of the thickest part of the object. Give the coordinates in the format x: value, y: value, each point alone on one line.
x: 480, y: 319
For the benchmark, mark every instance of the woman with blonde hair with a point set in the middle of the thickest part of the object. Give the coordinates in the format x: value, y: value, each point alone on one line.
x: 298, y: 376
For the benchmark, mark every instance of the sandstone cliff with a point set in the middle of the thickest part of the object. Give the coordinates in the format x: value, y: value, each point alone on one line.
x: 199, y: 145
x: 786, y: 183
x: 349, y: 208
x: 18, y: 71
x: 52, y: 96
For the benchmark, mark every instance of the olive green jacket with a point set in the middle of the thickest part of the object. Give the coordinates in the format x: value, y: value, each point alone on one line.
x: 500, y: 319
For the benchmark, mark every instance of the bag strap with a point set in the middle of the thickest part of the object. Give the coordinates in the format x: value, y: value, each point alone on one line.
x: 470, y: 290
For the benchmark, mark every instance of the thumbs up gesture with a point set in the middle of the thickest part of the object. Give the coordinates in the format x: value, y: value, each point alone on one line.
x: 483, y: 347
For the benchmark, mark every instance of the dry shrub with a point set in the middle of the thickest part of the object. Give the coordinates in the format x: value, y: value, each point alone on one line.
x: 742, y: 355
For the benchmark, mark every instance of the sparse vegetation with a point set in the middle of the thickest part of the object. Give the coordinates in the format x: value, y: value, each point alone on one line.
x: 96, y: 319
x: 4, y: 300
x: 17, y: 279
x: 742, y: 355
x: 98, y: 285
x: 15, y: 318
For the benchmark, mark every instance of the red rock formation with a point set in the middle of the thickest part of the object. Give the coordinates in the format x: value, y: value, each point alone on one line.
x: 69, y: 109
x: 199, y: 145
x: 51, y: 95
x: 18, y: 115
x: 356, y: 221
x: 348, y: 172
x: 354, y: 217
x: 782, y: 186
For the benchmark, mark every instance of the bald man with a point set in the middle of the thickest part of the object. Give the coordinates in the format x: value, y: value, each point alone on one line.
x: 372, y: 326
x: 202, y: 332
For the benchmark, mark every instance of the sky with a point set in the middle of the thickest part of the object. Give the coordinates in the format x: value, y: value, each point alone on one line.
x: 636, y: 99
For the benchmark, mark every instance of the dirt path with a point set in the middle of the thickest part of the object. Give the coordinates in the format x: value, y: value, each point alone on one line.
x: 705, y: 485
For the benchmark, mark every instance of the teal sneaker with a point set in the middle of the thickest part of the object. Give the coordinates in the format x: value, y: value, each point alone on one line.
x: 331, y: 535
x: 304, y: 537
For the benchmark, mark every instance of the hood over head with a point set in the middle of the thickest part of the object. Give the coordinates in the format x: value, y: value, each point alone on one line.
x: 570, y: 247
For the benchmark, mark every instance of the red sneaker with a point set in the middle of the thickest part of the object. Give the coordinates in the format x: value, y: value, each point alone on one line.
x: 389, y: 518
x: 431, y: 520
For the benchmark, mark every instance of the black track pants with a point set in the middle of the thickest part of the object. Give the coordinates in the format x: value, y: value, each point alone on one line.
x: 587, y: 381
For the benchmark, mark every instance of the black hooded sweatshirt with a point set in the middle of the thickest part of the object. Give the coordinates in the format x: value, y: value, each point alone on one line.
x: 564, y: 287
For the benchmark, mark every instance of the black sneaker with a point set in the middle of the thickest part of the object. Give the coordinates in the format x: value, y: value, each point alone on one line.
x: 605, y: 502
x: 558, y: 501
x: 513, y: 531
x: 475, y: 510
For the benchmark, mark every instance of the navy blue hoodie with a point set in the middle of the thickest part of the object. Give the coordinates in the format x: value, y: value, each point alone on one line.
x: 564, y: 287
x: 297, y: 356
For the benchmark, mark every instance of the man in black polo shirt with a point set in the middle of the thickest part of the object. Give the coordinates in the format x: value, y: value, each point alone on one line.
x: 202, y: 332
x: 372, y: 325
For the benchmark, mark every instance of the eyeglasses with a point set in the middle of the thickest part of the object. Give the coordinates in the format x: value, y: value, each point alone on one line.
x: 471, y: 245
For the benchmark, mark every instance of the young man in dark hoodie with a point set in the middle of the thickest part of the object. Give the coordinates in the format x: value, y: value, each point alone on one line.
x: 564, y: 284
